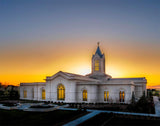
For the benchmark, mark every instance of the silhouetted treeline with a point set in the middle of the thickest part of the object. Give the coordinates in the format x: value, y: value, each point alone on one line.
x: 9, y: 92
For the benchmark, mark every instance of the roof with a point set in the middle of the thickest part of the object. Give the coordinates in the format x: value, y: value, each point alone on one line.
x: 139, y: 78
x: 118, y: 81
x: 71, y: 76
x: 98, y: 51
x: 33, y: 84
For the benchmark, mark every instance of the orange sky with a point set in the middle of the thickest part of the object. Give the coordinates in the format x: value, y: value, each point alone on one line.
x: 33, y: 62
x: 41, y: 37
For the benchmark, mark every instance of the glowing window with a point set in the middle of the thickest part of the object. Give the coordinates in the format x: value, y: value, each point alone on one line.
x: 43, y: 94
x: 96, y: 65
x: 105, y: 96
x: 24, y: 93
x: 121, y: 96
x: 60, y: 92
x: 84, y: 95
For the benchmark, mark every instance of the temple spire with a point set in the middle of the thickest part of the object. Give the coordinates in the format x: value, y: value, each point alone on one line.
x: 98, y: 51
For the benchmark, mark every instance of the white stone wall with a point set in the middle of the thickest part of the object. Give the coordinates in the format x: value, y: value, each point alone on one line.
x: 33, y: 92
x: 70, y: 90
x: 74, y: 91
x: 29, y: 92
x: 91, y: 93
x: 114, y: 93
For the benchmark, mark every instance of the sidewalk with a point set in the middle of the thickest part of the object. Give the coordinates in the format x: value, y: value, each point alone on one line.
x: 82, y: 119
x: 116, y: 112
x: 96, y: 112
x: 157, y: 105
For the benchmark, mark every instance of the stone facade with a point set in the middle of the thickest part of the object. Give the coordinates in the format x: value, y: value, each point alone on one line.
x: 96, y: 87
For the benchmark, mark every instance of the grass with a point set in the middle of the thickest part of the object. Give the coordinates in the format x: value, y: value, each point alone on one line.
x: 111, y: 119
x: 19, y: 118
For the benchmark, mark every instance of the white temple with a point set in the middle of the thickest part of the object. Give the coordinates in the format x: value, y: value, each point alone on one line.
x: 96, y: 87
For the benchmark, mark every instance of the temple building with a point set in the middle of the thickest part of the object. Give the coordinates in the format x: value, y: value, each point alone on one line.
x: 96, y: 87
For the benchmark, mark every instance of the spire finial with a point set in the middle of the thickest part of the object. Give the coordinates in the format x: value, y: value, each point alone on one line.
x: 98, y: 43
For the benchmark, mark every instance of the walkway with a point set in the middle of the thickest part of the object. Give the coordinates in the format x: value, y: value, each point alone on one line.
x: 96, y: 112
x: 116, y: 112
x: 157, y: 105
x: 26, y: 107
x: 82, y: 119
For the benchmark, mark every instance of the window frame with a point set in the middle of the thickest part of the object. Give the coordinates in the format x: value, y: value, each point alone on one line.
x: 43, y: 94
x: 96, y: 65
x: 121, y: 96
x: 24, y: 93
x: 106, y: 96
x: 84, y: 95
x: 61, y: 92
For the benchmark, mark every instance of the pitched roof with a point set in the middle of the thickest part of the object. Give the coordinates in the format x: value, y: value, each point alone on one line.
x: 71, y: 76
x: 98, y: 51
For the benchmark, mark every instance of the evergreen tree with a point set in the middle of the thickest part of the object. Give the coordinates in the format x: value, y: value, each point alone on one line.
x: 133, y: 98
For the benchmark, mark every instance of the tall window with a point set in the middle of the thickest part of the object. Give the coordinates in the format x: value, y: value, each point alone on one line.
x: 106, y: 95
x: 61, y: 92
x: 24, y: 93
x: 121, y: 96
x: 96, y: 65
x: 43, y: 94
x: 84, y: 95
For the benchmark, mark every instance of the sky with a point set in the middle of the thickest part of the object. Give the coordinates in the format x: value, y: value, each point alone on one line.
x: 41, y: 37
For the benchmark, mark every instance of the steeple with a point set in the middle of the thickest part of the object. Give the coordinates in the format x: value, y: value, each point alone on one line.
x: 98, y: 51
x: 98, y: 62
x: 98, y: 65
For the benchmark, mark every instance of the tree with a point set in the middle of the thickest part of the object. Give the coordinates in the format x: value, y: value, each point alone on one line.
x: 133, y: 98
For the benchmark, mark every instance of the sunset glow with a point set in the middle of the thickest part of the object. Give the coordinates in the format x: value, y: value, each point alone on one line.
x: 38, y: 40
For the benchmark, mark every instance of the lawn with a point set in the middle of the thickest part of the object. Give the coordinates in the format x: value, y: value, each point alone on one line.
x: 105, y: 119
x: 58, y: 117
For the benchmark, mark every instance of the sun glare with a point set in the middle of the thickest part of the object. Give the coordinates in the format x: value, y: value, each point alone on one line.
x: 82, y: 70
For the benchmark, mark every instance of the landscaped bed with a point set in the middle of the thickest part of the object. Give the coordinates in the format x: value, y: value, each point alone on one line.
x: 41, y: 106
x: 111, y: 119
x: 57, y: 117
x: 10, y: 104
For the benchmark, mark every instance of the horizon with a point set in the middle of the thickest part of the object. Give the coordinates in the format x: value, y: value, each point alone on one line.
x: 39, y: 38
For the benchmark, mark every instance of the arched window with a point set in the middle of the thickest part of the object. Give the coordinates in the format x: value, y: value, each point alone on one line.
x: 84, y: 95
x: 106, y: 95
x: 61, y: 92
x: 96, y: 65
x: 24, y: 93
x: 43, y: 94
x: 121, y: 96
